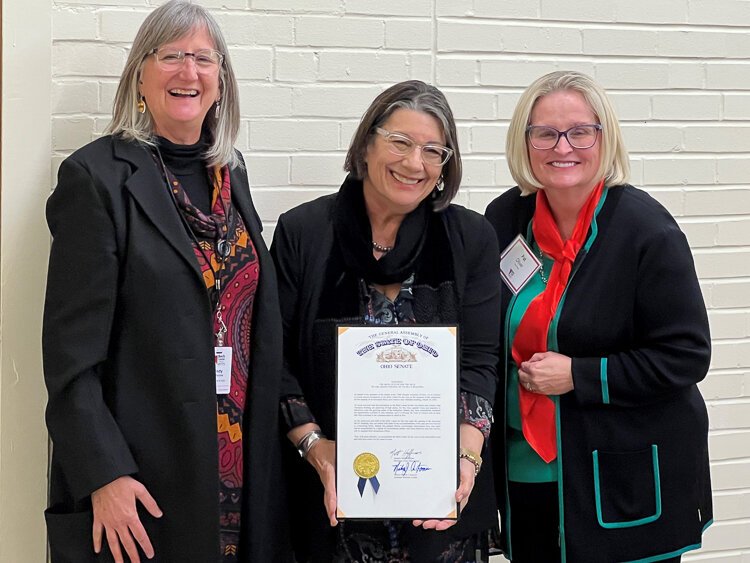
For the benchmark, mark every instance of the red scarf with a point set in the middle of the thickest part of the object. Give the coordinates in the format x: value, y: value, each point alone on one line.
x: 538, y: 411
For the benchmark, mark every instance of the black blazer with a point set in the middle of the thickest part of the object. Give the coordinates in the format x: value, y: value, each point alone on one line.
x: 128, y: 363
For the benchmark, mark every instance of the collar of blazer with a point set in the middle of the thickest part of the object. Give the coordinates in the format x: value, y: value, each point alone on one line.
x: 147, y: 187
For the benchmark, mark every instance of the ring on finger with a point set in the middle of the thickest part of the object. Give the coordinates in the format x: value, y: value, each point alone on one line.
x: 528, y: 387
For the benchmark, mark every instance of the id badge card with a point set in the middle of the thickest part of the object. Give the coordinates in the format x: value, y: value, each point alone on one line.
x: 518, y: 264
x: 223, y: 365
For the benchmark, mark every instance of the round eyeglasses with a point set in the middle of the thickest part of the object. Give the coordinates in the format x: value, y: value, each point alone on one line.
x: 400, y: 144
x: 206, y: 60
x: 543, y: 137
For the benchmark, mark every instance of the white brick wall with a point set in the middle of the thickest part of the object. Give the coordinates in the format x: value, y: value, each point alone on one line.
x: 678, y: 71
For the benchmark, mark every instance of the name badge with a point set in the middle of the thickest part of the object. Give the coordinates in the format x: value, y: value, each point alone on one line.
x: 518, y: 264
x: 223, y: 364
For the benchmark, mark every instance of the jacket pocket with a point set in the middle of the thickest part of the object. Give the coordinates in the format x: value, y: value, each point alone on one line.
x: 70, y: 539
x: 627, y: 487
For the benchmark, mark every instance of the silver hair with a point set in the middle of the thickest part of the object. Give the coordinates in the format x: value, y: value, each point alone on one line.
x: 167, y: 23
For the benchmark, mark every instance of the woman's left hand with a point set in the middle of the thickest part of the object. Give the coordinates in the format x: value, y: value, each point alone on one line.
x: 547, y: 373
x: 472, y: 439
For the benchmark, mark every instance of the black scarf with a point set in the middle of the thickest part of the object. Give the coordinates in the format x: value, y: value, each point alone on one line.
x: 354, y: 237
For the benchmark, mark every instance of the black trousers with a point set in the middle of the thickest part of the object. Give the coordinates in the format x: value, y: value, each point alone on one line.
x: 535, y: 523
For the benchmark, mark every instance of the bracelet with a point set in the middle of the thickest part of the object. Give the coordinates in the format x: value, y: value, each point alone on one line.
x: 471, y: 457
x: 308, y: 441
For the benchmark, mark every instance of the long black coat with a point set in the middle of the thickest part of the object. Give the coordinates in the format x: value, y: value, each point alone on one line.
x: 632, y: 436
x: 128, y: 363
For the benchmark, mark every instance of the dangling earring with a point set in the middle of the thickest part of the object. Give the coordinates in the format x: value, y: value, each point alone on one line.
x: 440, y: 184
x: 141, y: 105
x: 218, y: 105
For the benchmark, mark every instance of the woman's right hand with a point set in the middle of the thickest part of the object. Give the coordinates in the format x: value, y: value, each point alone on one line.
x: 115, y: 513
x: 322, y: 456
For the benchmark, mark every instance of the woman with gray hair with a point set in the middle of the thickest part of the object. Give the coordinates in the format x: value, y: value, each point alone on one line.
x: 162, y: 334
x: 601, y: 453
x: 388, y: 248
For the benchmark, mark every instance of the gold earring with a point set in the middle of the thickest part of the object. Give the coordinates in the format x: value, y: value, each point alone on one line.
x: 141, y: 105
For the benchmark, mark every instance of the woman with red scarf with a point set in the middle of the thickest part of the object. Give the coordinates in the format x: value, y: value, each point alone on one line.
x: 602, y: 455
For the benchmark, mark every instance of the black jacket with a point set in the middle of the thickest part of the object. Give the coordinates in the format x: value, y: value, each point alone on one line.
x: 632, y: 436
x: 314, y: 284
x: 128, y: 362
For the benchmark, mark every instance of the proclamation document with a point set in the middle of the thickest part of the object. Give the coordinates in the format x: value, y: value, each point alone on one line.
x: 397, y: 422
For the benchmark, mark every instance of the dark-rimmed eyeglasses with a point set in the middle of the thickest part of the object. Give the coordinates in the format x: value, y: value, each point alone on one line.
x: 400, y: 144
x: 543, y: 137
x: 206, y: 60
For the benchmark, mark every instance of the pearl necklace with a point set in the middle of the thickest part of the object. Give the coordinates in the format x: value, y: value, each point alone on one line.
x: 381, y: 248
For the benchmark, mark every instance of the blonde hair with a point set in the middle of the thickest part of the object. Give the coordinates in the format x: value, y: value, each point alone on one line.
x: 614, y: 166
x: 167, y: 23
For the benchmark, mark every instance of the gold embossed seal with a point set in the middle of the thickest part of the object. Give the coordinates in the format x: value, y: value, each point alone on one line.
x: 366, y: 465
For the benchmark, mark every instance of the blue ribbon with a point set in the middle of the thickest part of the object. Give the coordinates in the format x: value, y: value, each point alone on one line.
x: 363, y: 482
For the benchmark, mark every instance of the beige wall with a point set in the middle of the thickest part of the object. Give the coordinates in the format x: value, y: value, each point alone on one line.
x: 678, y: 71
x: 24, y: 242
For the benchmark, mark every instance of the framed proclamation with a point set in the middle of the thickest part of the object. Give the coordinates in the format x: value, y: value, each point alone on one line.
x: 397, y: 422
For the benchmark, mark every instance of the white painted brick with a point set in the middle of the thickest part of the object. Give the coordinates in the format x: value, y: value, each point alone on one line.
x: 86, y: 59
x: 472, y: 105
x: 265, y: 101
x: 224, y: 4
x: 488, y: 138
x: 326, y: 6
x: 733, y: 505
x: 733, y: 170
x: 728, y: 76
x: 511, y: 73
x: 506, y: 9
x: 734, y: 233
x: 720, y: 12
x: 338, y: 102
x: 407, y: 34
x: 724, y: 386
x: 732, y: 263
x: 736, y: 106
x: 74, y: 97
x: 457, y: 8
x: 619, y: 42
x: 733, y: 138
x: 136, y: 3
x: 360, y: 66
x: 294, y: 135
x: 264, y: 170
x: 738, y: 45
x: 478, y: 172
x: 457, y: 72
x: 663, y: 11
x: 585, y: 10
x: 322, y: 31
x: 728, y: 415
x: 683, y: 43
x: 651, y: 137
x: 683, y: 75
x: 730, y: 475
x: 482, y: 36
x: 506, y: 103
x: 271, y: 203
x: 107, y: 91
x: 296, y: 66
x: 736, y: 534
x: 730, y: 294
x: 636, y: 171
x: 420, y: 67
x: 647, y: 76
x: 70, y: 133
x: 256, y: 29
x: 469, y: 36
x: 503, y: 179
x: 463, y: 133
x: 318, y: 170
x: 687, y: 107
x: 480, y: 198
x: 674, y: 171
x: 717, y: 202
x: 76, y: 23
x: 252, y: 63
x: 242, y: 141
x: 120, y: 25
x: 731, y: 444
x: 389, y: 8
x: 700, y: 234
x: 728, y: 324
x: 347, y: 130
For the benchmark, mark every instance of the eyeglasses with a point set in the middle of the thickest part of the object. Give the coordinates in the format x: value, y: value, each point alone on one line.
x: 579, y: 136
x: 206, y: 60
x: 434, y: 155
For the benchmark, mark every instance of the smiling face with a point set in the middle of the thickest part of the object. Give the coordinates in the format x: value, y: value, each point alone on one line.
x: 563, y: 167
x: 398, y: 184
x: 180, y: 99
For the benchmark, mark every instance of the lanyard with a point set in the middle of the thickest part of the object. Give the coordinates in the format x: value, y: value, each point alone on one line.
x: 221, y: 244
